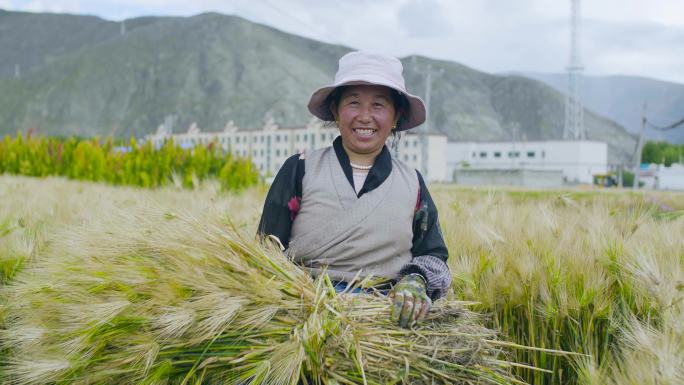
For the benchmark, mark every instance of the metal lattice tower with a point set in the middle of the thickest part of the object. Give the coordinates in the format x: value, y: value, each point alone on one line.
x: 574, y: 111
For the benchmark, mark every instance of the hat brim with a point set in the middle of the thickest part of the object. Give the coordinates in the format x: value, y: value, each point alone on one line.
x: 415, y: 115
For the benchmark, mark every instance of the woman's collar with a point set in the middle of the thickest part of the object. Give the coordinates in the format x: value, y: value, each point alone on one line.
x: 376, y: 175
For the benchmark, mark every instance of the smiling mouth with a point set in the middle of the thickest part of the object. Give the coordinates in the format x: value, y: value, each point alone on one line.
x: 365, y: 131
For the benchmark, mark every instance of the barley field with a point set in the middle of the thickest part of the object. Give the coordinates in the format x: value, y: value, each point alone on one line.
x: 596, y: 274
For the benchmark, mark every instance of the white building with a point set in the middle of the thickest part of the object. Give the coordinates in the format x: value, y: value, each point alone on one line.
x: 270, y: 146
x: 577, y: 160
x: 660, y: 177
x: 670, y: 178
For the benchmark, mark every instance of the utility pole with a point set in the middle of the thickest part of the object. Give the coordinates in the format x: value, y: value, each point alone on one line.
x: 426, y: 126
x: 168, y: 123
x: 640, y: 141
x: 639, y: 148
x: 620, y: 175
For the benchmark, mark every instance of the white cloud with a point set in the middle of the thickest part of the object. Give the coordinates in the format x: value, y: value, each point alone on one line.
x: 412, y: 16
x: 6, y: 5
x: 641, y: 37
x: 645, y: 49
x: 62, y: 6
x: 668, y: 12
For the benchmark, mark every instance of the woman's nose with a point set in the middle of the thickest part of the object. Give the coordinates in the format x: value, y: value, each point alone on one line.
x: 365, y: 114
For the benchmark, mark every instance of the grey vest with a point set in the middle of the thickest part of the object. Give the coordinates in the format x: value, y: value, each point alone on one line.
x: 334, y: 228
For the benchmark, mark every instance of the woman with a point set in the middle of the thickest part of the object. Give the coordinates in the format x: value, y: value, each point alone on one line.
x: 351, y: 208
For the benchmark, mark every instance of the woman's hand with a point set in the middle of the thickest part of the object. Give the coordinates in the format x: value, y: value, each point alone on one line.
x: 411, y: 303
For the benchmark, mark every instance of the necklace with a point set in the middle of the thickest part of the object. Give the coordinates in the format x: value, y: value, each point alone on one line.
x: 359, y: 167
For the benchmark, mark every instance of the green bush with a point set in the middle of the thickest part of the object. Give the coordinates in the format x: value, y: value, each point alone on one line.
x: 662, y: 153
x: 131, y: 163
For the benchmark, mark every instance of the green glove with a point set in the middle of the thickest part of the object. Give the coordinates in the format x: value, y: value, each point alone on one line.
x: 411, y: 303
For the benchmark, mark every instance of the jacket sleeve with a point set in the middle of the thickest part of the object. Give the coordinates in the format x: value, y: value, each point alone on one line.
x: 429, y: 251
x: 282, y: 202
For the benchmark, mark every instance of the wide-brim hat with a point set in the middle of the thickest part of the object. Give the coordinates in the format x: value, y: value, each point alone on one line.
x: 373, y: 69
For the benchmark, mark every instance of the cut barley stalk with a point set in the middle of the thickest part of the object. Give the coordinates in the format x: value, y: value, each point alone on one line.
x: 150, y: 298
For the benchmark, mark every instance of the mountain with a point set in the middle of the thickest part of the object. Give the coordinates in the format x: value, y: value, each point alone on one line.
x: 31, y: 40
x: 85, y: 77
x: 209, y: 69
x: 621, y: 98
x: 471, y: 105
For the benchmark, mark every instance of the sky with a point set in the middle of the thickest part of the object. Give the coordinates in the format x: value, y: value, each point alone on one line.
x: 617, y: 37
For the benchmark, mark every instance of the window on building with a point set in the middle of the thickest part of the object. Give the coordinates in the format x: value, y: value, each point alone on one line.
x: 530, y: 154
x: 497, y: 154
x: 285, y: 137
x: 405, y: 144
x: 405, y: 158
x: 322, y: 137
x: 277, y: 152
x: 237, y: 139
x: 261, y: 138
x: 415, y: 143
x: 483, y: 154
x: 277, y: 138
x: 514, y: 154
x: 474, y: 154
x: 297, y: 138
x: 415, y: 157
x: 261, y: 152
x: 543, y: 154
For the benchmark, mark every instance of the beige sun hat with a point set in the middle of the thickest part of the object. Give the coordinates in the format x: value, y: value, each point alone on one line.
x: 361, y: 67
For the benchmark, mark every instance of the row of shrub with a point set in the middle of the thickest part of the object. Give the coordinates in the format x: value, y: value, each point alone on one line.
x: 662, y: 153
x: 132, y: 163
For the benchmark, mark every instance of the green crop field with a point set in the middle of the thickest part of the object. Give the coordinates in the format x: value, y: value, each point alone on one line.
x: 106, y: 284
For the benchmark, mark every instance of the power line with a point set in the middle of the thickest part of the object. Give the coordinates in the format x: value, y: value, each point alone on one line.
x: 300, y: 21
x: 640, y: 141
x: 665, y: 128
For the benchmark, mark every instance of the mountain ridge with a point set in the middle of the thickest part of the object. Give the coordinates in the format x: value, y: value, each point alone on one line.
x: 621, y: 98
x: 213, y: 68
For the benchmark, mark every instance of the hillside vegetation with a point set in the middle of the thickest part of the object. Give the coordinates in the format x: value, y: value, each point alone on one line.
x: 83, y: 77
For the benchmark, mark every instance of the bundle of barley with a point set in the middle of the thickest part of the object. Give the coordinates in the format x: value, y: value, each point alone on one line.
x: 155, y: 299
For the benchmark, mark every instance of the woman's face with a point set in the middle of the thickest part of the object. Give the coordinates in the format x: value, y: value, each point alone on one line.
x: 365, y: 115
